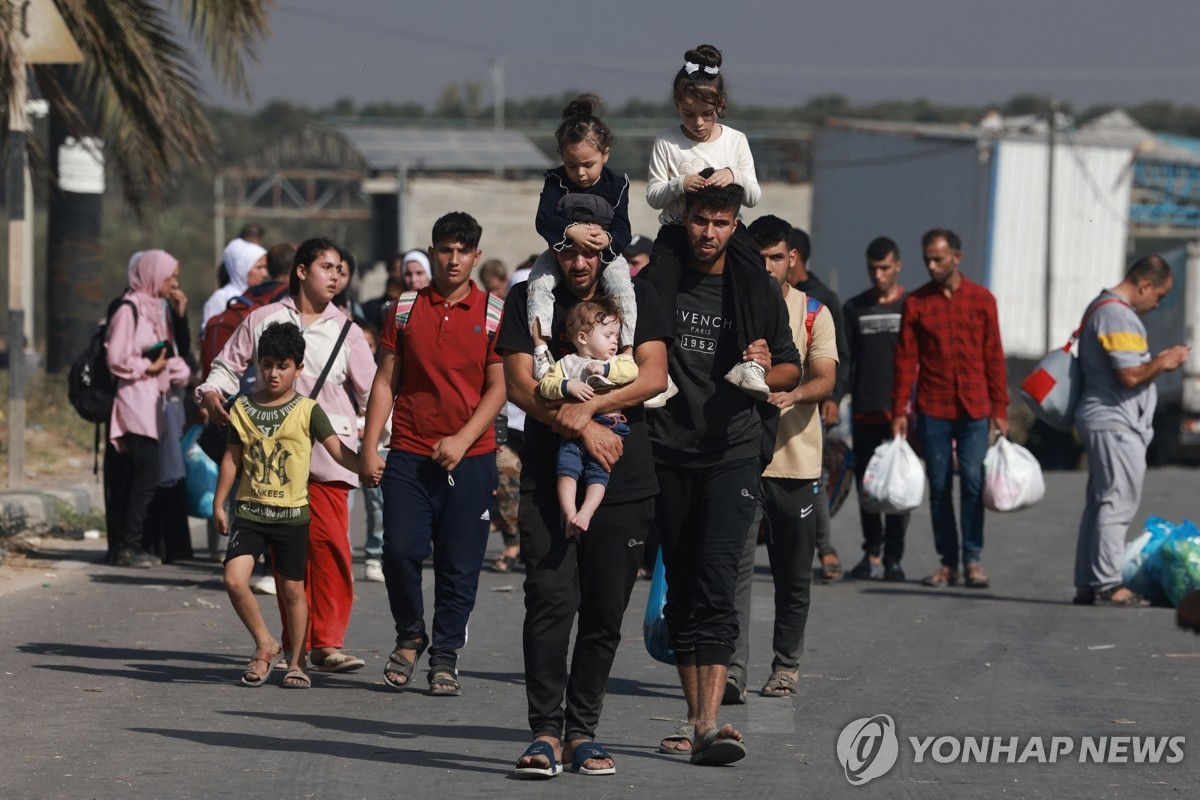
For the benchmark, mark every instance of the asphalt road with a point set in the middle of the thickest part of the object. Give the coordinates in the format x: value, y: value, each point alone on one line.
x: 124, y: 684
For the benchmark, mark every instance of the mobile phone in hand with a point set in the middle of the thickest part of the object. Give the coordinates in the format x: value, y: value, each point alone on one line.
x: 155, y: 350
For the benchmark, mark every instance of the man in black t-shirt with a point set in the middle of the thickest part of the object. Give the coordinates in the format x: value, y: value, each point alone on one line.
x: 873, y: 328
x: 590, y: 575
x: 708, y: 449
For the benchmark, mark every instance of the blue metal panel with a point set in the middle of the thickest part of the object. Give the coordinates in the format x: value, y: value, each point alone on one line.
x: 1176, y: 192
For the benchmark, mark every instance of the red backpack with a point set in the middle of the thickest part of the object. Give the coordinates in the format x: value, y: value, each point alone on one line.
x: 220, y: 327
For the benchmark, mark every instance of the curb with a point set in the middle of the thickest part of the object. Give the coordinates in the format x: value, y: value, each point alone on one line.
x: 42, y: 506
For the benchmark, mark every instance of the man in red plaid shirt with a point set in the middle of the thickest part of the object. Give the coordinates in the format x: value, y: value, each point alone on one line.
x: 950, y: 345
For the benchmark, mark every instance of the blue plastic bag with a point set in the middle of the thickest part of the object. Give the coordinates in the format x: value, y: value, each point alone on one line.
x: 654, y: 628
x: 201, y: 479
x: 1180, y: 560
x: 1152, y: 566
x: 1142, y: 570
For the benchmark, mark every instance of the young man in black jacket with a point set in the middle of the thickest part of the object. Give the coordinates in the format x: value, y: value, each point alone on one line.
x: 708, y: 449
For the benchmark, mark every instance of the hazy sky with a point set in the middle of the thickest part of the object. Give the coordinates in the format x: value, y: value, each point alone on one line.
x: 778, y: 52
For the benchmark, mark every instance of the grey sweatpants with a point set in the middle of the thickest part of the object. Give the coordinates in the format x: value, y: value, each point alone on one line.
x: 1116, y: 469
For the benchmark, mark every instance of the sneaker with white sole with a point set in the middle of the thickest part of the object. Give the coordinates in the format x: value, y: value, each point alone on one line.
x: 542, y: 361
x: 264, y: 585
x: 659, y: 400
x: 751, y: 378
x: 374, y: 571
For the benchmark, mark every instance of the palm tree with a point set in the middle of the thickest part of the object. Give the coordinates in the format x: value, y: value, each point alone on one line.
x: 138, y: 80
x: 138, y: 91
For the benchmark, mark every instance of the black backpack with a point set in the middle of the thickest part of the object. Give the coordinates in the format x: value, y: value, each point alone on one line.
x: 90, y: 385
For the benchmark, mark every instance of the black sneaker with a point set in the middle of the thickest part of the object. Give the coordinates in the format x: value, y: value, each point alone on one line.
x: 867, y: 570
x: 892, y: 572
x: 135, y: 559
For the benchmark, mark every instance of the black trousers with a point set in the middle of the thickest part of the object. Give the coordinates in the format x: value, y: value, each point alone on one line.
x: 590, y: 576
x: 130, y: 482
x: 703, y: 516
x: 792, y: 533
x: 882, y: 533
x: 167, y: 534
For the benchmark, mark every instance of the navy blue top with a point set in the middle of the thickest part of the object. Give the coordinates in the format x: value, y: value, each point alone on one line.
x: 612, y: 187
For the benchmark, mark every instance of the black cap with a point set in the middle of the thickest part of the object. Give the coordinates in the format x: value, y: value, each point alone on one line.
x: 585, y: 208
x: 639, y: 246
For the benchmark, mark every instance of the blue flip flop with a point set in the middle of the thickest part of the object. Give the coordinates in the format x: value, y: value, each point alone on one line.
x: 586, y: 752
x: 539, y: 748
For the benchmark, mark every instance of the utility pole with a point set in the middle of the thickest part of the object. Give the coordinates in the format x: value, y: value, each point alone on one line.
x: 39, y: 36
x: 1049, y: 287
x: 497, y: 70
x: 19, y: 234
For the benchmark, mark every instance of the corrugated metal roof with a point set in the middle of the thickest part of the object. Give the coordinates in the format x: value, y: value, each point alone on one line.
x: 384, y: 148
x: 1115, y: 129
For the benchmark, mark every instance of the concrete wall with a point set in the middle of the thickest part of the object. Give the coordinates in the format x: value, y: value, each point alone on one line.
x: 506, y: 210
x: 868, y: 184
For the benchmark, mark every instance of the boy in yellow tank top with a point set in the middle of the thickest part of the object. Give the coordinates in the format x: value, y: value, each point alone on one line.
x: 270, y: 441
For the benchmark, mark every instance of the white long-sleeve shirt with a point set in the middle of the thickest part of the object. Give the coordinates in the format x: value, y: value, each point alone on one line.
x: 675, y: 155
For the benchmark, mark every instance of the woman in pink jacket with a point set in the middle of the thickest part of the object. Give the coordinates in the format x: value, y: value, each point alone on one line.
x: 142, y: 358
x: 329, y: 585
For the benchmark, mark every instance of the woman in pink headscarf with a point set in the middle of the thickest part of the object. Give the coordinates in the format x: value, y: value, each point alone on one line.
x: 143, y: 360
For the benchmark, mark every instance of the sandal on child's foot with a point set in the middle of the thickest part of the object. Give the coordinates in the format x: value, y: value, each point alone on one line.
x: 297, y: 678
x: 253, y: 677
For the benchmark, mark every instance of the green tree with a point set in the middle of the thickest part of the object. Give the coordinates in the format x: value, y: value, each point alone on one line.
x: 138, y: 87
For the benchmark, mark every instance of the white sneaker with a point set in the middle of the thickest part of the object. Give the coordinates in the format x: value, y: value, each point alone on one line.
x: 751, y: 378
x: 599, y: 383
x: 374, y: 571
x: 542, y: 361
x: 264, y: 585
x: 660, y: 400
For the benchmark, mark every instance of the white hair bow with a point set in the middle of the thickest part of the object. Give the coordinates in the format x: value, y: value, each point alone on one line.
x: 690, y: 67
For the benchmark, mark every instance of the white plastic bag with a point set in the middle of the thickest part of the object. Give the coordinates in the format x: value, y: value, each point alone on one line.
x: 895, y: 479
x: 1012, y: 477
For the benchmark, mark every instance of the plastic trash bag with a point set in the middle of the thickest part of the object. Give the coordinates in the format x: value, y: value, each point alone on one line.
x: 1012, y: 477
x: 654, y: 627
x: 1180, y: 558
x: 895, y: 479
x: 1141, y: 570
x: 201, y: 478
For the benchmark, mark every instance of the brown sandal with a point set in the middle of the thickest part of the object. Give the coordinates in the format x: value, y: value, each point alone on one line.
x: 254, y: 679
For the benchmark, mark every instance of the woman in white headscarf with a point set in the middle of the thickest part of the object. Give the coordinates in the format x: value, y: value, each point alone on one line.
x: 416, y: 272
x: 246, y: 264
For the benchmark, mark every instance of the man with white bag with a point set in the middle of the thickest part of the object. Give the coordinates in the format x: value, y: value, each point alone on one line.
x: 950, y: 346
x: 1115, y: 418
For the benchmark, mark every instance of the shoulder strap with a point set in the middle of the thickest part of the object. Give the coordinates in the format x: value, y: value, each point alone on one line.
x: 404, y: 304
x: 332, y: 357
x: 1088, y: 315
x: 814, y: 308
x: 495, y: 309
x: 124, y: 302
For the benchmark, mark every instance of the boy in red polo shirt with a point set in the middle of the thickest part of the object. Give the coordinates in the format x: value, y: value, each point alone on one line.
x: 442, y: 383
